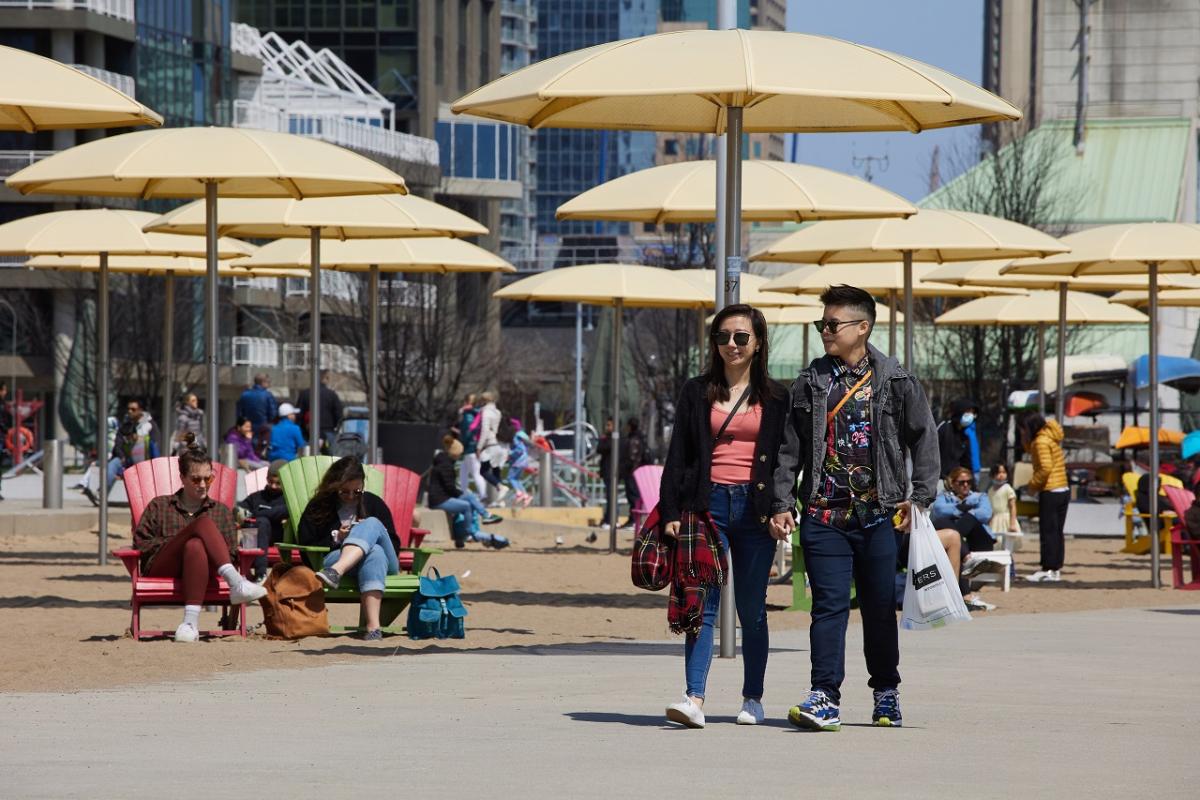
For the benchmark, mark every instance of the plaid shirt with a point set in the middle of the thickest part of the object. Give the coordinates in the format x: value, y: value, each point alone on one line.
x: 847, y: 493
x: 165, y: 517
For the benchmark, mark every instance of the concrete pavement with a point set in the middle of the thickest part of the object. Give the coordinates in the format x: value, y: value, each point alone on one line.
x: 1091, y: 704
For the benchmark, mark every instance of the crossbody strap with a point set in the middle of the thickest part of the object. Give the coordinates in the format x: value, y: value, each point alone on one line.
x: 829, y: 417
x: 732, y: 413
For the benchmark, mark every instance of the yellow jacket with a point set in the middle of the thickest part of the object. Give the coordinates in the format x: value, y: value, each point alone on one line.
x: 1049, y: 463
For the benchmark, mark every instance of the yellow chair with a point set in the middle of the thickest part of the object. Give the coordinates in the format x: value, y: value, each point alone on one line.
x: 1140, y: 545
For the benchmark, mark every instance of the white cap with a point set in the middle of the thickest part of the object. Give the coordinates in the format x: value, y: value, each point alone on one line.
x: 286, y: 409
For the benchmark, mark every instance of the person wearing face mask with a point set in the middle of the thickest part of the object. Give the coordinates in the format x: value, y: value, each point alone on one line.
x: 958, y: 440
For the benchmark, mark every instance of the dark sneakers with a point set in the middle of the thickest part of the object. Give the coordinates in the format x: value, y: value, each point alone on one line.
x: 817, y: 712
x: 330, y: 577
x: 887, y: 709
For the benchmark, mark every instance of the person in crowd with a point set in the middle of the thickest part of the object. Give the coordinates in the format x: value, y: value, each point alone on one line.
x: 958, y: 439
x: 241, y: 436
x: 191, y: 537
x: 857, y: 418
x: 633, y: 455
x: 358, y: 526
x: 464, y: 507
x: 136, y: 441
x: 287, y: 440
x: 1003, y: 498
x: 257, y: 404
x: 469, y: 469
x: 518, y: 461
x: 492, y: 452
x: 268, y: 510
x: 962, y: 512
x: 604, y: 449
x: 1042, y: 439
x: 722, y: 454
x: 189, y: 418
x: 331, y: 410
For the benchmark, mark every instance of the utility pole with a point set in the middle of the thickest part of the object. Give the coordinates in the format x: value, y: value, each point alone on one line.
x: 1081, y: 73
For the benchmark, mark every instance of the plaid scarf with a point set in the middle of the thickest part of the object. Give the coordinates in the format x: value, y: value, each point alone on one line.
x: 700, y: 566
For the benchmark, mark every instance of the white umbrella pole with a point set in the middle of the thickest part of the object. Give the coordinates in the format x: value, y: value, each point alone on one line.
x: 615, y: 452
x: 314, y: 330
x: 1060, y: 396
x: 373, y: 367
x: 909, y: 318
x: 212, y: 298
x: 1041, y: 372
x: 1155, y: 578
x: 102, y: 453
x: 165, y: 430
x: 891, y: 323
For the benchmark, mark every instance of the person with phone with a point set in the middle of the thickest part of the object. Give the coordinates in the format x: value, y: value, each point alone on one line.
x: 719, y: 465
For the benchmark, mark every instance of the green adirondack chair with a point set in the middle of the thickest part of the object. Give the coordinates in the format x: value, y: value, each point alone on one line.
x: 300, y: 479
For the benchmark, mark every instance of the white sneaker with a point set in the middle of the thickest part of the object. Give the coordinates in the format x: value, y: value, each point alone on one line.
x: 979, y: 604
x: 246, y: 591
x: 186, y: 632
x: 751, y: 713
x: 686, y: 713
x: 1055, y: 576
x: 1039, y: 576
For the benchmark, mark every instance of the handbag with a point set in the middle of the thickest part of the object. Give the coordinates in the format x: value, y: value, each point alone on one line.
x: 653, y: 550
x: 295, y: 603
x: 437, y: 611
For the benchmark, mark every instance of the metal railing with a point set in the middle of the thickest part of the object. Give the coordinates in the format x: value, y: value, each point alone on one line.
x: 334, y: 285
x: 254, y: 351
x: 270, y: 284
x: 524, y: 10
x: 244, y: 39
x: 13, y: 161
x: 122, y: 83
x: 336, y: 357
x: 119, y: 9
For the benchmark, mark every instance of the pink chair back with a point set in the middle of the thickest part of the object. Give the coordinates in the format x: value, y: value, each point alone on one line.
x: 1180, y: 499
x: 256, y: 480
x: 648, y: 479
x: 400, y: 487
x: 147, y: 480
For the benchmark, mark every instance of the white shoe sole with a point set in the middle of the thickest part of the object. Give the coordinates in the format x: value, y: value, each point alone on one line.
x: 683, y: 718
x: 250, y: 593
x: 746, y: 718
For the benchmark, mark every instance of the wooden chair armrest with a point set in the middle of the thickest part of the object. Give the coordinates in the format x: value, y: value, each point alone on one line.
x: 307, y: 548
x: 132, y: 559
x: 416, y: 536
x: 431, y: 551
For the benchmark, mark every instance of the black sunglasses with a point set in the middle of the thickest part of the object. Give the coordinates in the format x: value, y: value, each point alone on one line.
x: 741, y: 338
x: 833, y: 324
x: 350, y: 492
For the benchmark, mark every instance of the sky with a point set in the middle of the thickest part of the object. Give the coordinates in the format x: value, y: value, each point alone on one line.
x: 945, y: 33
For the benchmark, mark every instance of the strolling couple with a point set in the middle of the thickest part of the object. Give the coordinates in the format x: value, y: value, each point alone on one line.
x: 741, y: 440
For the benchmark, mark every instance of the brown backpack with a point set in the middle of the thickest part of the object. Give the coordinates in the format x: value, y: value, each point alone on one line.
x: 295, y: 603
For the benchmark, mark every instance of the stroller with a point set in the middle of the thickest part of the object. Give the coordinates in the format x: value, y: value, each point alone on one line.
x: 353, y: 433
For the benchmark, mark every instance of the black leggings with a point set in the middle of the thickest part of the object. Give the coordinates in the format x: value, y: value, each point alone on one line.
x: 1052, y: 517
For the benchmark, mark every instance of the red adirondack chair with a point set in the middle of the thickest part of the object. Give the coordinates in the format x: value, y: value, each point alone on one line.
x: 1181, y: 539
x: 144, y: 482
x: 648, y: 480
x: 400, y: 488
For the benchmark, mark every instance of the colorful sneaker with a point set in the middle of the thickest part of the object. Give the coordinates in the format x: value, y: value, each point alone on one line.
x: 373, y: 635
x: 887, y: 709
x: 330, y: 577
x: 816, y: 713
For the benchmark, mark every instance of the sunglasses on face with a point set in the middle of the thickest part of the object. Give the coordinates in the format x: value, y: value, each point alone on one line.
x: 199, y: 479
x: 833, y: 325
x: 350, y: 492
x: 963, y: 482
x: 741, y: 338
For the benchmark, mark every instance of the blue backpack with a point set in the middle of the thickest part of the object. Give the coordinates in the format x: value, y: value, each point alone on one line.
x: 437, y: 612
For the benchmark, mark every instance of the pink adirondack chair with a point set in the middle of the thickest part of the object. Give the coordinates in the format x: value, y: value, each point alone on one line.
x: 144, y: 482
x: 400, y: 488
x: 256, y: 480
x: 648, y: 479
x: 1181, y: 539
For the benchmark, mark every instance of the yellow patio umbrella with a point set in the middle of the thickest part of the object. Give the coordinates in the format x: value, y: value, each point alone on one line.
x: 41, y: 94
x: 438, y: 255
x: 103, y: 232
x: 731, y: 82
x: 1040, y: 306
x: 1177, y: 298
x: 208, y: 162
x: 933, y: 235
x: 772, y: 191
x: 1146, y: 248
x: 618, y: 286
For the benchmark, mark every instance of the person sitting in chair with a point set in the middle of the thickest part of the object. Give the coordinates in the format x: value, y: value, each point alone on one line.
x: 961, y: 513
x: 463, y: 506
x: 267, y: 510
x: 358, y: 526
x: 191, y: 537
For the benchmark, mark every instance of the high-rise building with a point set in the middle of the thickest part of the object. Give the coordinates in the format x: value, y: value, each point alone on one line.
x: 518, y: 48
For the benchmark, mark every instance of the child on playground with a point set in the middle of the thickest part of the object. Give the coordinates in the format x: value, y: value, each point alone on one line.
x: 1004, y: 501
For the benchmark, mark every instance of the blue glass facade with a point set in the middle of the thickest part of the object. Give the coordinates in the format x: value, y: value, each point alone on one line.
x: 482, y: 150
x: 184, y: 64
x: 571, y: 161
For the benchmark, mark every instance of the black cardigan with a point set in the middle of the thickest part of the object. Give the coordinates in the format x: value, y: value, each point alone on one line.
x: 685, y: 481
x: 442, y: 483
x: 310, y: 533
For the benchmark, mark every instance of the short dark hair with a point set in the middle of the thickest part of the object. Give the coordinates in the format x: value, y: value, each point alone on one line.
x: 850, y: 297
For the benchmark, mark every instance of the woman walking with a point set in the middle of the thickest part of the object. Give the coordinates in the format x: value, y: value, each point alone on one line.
x: 728, y: 425
x: 189, y: 418
x: 1043, y: 441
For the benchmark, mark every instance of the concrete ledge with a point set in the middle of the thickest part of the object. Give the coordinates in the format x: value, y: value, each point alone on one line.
x: 48, y: 522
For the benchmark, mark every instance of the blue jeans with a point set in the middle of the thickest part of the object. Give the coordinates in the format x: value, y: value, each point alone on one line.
x: 752, y: 549
x: 515, y: 470
x: 380, y: 560
x: 468, y: 508
x: 833, y: 557
x: 116, y: 468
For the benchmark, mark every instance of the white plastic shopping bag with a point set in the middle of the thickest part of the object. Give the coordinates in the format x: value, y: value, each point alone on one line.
x: 931, y: 595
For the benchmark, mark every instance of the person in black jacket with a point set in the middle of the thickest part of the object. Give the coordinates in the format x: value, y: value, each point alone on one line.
x: 464, y: 507
x: 731, y: 480
x: 266, y: 510
x: 358, y: 527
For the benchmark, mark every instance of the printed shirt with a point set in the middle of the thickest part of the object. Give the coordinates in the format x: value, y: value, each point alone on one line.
x: 165, y: 517
x: 847, y: 494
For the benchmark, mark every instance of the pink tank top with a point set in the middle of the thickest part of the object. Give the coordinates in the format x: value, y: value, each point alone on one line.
x: 733, y: 456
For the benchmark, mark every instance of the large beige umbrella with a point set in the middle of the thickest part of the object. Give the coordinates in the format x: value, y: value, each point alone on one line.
x: 1040, y: 306
x: 1175, y: 298
x: 931, y: 236
x: 730, y: 82
x: 439, y: 255
x: 1146, y: 248
x: 40, y: 94
x: 209, y: 162
x: 618, y: 286
x: 103, y: 232
x: 772, y: 191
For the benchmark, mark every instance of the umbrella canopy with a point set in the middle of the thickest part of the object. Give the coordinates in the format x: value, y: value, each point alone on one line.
x: 806, y: 315
x: 988, y: 273
x: 772, y: 191
x: 881, y: 277
x: 684, y: 80
x: 752, y: 289
x: 630, y: 285
x: 1140, y: 437
x: 357, y: 217
x: 40, y: 94
x: 1177, y: 372
x: 1190, y: 446
x: 179, y: 267
x: 103, y: 230
x: 388, y: 255
x: 1039, y: 307
x: 1177, y: 298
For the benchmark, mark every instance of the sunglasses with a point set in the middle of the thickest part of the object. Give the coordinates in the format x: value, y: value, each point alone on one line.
x: 963, y: 482
x: 741, y: 338
x: 199, y: 479
x: 833, y: 325
x: 350, y: 492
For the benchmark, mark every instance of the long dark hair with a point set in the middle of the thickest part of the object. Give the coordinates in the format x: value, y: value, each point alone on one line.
x: 761, y: 385
x: 191, y: 453
x: 1030, y: 426
x: 325, y: 502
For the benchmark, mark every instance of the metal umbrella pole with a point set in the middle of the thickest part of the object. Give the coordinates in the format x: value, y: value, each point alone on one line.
x: 1155, y: 578
x: 373, y: 365
x: 909, y: 319
x: 1060, y: 396
x: 892, y: 323
x: 615, y: 451
x: 578, y: 451
x: 168, y: 362
x: 102, y: 400
x: 1041, y: 372
x: 212, y: 298
x: 314, y: 329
